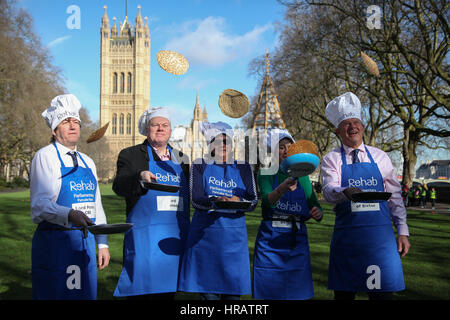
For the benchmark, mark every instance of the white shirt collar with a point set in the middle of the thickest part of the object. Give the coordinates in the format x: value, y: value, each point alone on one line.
x: 347, y: 149
x: 63, y: 149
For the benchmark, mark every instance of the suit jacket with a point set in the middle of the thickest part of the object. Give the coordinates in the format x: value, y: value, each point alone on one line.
x: 130, y: 163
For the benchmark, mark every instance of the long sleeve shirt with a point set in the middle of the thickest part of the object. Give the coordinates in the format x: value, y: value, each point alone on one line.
x: 45, y: 185
x: 200, y: 200
x: 332, y: 173
x: 265, y: 183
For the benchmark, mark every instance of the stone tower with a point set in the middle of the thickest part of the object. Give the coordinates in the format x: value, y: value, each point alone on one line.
x: 124, y: 83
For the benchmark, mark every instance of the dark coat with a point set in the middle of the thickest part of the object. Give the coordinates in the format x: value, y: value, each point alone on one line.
x: 130, y: 163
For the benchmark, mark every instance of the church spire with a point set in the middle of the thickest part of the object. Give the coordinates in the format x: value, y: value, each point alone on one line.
x: 197, y: 109
x: 139, y: 21
x: 105, y: 19
x: 114, y: 28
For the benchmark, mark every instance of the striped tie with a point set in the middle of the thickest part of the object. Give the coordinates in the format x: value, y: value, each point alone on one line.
x: 74, y: 158
x: 355, y: 156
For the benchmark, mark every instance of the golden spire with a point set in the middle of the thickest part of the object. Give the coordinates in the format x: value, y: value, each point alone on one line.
x: 267, y: 61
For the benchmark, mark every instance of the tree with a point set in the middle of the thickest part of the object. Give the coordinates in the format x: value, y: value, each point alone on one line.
x: 410, y: 49
x: 28, y: 82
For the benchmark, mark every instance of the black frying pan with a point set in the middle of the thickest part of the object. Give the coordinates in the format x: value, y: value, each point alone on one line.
x: 236, y: 205
x: 106, y: 228
x: 161, y: 186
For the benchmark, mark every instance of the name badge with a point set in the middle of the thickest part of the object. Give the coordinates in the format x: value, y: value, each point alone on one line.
x: 169, y: 203
x: 282, y: 224
x: 88, y: 208
x: 363, y: 206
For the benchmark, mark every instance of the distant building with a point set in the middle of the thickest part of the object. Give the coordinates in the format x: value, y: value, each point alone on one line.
x: 189, y: 139
x: 124, y: 83
x: 436, y: 169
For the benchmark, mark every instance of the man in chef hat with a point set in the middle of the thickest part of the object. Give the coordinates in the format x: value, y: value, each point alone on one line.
x: 65, y: 196
x: 364, y: 255
x: 160, y: 218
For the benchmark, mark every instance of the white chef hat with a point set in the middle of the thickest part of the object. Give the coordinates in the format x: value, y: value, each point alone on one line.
x: 152, y: 113
x: 344, y: 107
x: 62, y: 107
x: 278, y: 135
x: 210, y: 130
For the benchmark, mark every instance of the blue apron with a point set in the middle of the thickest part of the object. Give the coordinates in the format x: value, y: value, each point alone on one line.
x: 216, y: 258
x: 154, y: 245
x: 363, y: 252
x: 281, y: 265
x: 63, y: 261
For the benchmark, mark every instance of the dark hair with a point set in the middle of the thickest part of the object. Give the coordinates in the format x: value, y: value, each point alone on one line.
x: 212, y: 153
x: 52, y: 139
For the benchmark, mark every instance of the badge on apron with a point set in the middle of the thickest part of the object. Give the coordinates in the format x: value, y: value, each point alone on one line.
x: 169, y: 203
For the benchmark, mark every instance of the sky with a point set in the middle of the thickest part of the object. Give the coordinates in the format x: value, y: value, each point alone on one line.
x: 218, y: 37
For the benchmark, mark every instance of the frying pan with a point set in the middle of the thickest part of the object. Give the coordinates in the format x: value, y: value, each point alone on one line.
x: 106, y: 228
x: 161, y: 186
x: 237, y: 205
x: 300, y: 164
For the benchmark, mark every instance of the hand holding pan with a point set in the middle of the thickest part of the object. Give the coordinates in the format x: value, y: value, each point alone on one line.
x: 232, y: 203
x: 106, y: 228
x: 149, y: 181
x: 161, y: 186
x: 302, y: 159
x: 109, y: 228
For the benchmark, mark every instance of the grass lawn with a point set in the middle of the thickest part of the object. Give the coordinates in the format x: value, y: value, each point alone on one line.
x: 425, y: 267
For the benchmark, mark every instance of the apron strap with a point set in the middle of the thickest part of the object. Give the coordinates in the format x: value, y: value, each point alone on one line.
x: 85, y: 164
x: 62, y: 162
x: 344, y: 160
x: 59, y: 155
x: 369, y: 155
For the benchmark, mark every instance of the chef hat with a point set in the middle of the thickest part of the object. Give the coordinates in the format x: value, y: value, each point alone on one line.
x: 278, y: 135
x: 344, y: 107
x: 210, y: 130
x: 62, y: 107
x: 152, y: 113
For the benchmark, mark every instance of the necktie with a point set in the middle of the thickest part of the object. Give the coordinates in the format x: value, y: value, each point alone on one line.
x: 355, y: 156
x: 74, y: 158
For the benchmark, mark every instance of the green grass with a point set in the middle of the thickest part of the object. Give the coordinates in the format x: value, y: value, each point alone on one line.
x: 425, y: 267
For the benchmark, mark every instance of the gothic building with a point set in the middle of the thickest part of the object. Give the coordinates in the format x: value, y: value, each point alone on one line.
x: 124, y: 83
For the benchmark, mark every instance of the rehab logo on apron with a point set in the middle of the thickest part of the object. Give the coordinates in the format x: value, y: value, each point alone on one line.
x: 363, y: 251
x: 63, y: 261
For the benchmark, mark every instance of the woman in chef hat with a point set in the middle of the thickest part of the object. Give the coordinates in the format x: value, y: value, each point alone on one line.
x: 216, y: 261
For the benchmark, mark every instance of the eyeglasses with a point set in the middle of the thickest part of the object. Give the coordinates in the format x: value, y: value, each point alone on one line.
x: 164, y: 126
